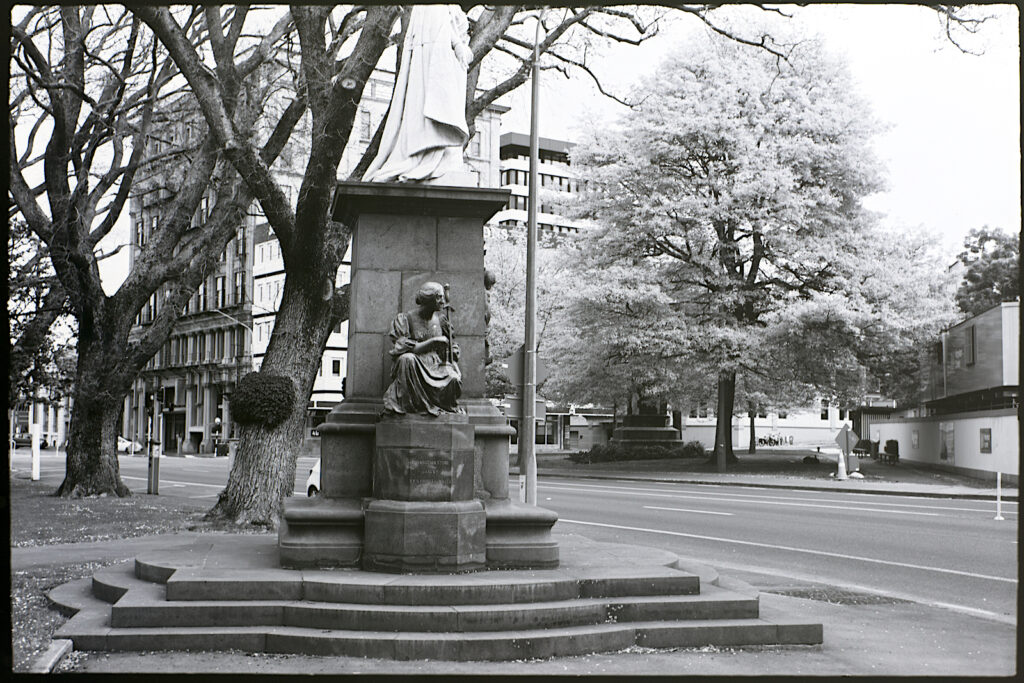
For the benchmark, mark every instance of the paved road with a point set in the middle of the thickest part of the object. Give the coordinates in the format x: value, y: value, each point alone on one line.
x: 937, y: 551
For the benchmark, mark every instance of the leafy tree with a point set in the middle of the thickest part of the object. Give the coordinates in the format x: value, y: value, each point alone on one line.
x: 991, y: 258
x: 737, y: 183
x: 86, y: 82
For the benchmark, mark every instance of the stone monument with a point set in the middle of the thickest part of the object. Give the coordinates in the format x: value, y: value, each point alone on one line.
x: 414, y: 461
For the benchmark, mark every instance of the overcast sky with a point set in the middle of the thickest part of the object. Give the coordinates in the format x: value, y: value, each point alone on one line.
x: 953, y: 149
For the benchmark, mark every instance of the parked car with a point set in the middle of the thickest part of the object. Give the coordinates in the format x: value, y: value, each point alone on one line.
x: 313, y: 482
x: 125, y: 446
x: 25, y: 441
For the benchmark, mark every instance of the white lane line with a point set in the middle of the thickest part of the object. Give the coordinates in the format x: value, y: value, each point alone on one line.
x: 845, y: 508
x: 597, y: 487
x: 179, y: 483
x: 699, y: 512
x: 792, y: 549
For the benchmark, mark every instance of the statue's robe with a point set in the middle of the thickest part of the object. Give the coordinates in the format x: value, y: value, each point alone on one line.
x: 426, y: 129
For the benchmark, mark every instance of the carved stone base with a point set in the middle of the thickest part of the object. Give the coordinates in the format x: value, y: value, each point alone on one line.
x: 519, y: 536
x: 321, y: 532
x: 425, y: 537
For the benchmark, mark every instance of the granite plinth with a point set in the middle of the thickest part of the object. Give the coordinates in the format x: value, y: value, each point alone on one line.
x: 320, y: 532
x: 425, y: 537
x: 422, y: 458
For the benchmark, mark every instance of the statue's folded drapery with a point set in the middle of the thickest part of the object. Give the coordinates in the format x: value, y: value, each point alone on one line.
x: 424, y: 382
x: 426, y: 125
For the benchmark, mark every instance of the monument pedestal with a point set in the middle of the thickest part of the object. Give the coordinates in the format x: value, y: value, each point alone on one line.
x: 424, y: 518
x: 434, y: 498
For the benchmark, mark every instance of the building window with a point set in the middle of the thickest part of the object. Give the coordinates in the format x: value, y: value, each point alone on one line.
x: 475, y: 144
x: 239, y: 287
x: 824, y: 409
x: 986, y: 436
x: 220, y: 292
x: 201, y: 304
x: 240, y: 242
x: 204, y: 210
x: 364, y: 126
x: 202, y: 347
x: 336, y: 367
x: 969, y: 350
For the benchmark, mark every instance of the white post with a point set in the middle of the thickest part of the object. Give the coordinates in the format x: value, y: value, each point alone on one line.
x: 999, y: 496
x: 36, y: 429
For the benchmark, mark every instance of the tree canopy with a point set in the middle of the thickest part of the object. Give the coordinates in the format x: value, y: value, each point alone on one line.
x: 736, y: 185
x: 991, y: 259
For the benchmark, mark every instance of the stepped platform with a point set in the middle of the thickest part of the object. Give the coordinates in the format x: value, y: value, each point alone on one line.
x: 229, y: 592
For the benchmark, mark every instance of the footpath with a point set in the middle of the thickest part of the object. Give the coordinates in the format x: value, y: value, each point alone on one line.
x: 786, y: 468
x: 864, y: 634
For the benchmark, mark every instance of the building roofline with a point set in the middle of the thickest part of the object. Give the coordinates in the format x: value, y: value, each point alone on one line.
x: 548, y: 144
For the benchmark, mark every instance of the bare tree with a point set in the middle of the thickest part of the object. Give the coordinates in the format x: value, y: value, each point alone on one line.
x: 89, y: 80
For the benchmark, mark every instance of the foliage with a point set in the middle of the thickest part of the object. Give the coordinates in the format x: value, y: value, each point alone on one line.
x: 505, y: 258
x: 991, y: 258
x: 617, y: 452
x: 262, y: 399
x: 42, y: 354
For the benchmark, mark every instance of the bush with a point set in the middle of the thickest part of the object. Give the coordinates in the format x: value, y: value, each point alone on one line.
x: 262, y: 399
x: 614, y: 452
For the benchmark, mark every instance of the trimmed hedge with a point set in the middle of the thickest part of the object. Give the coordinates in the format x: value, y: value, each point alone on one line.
x: 262, y: 399
x: 613, y: 452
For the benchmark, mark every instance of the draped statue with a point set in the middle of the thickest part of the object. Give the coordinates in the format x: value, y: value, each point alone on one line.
x: 426, y: 130
x: 425, y: 373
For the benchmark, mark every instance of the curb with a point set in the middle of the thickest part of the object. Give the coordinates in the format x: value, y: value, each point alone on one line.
x: 770, y: 485
x: 49, y: 660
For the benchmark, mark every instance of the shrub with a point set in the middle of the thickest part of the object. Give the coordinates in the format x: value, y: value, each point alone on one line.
x: 615, y: 452
x: 262, y: 399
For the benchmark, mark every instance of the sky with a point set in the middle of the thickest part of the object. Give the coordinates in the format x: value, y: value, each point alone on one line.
x: 953, y: 147
x: 952, y: 151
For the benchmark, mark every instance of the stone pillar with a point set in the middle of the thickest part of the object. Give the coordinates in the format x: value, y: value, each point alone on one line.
x: 424, y: 517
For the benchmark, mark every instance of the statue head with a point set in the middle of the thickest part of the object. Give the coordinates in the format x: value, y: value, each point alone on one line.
x: 429, y: 292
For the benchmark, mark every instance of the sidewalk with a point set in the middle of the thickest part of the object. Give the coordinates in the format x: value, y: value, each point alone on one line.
x: 784, y: 469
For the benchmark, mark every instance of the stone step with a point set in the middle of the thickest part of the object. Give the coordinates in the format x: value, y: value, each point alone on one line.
x: 485, y: 588
x: 139, y: 609
x: 506, y: 645
x: 111, y: 583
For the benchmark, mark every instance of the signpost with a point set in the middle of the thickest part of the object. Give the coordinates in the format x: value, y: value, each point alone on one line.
x: 847, y: 439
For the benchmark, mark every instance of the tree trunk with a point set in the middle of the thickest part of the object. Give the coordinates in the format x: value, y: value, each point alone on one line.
x: 723, y: 429
x: 752, y: 448
x: 91, y: 465
x: 263, y: 472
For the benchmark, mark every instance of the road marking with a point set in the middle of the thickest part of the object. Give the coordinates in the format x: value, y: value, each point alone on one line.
x: 699, y: 512
x: 792, y: 549
x: 740, y: 498
x: 845, y: 508
x: 179, y: 483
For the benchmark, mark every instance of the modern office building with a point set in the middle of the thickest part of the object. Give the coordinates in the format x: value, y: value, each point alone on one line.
x: 556, y: 176
x: 181, y: 398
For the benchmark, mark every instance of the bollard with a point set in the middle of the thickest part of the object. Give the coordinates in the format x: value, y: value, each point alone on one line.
x: 36, y: 428
x: 153, y: 478
x: 999, y: 496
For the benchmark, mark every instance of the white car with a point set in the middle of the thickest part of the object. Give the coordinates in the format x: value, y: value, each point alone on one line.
x: 313, y: 482
x: 125, y: 446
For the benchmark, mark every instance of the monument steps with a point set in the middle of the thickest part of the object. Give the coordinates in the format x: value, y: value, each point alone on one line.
x: 142, y: 609
x: 501, y: 615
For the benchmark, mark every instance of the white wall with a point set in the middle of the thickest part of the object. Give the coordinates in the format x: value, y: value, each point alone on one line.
x: 1005, y: 455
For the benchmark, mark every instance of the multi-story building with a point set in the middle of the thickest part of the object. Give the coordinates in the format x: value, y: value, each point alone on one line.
x: 227, y: 324
x: 969, y: 422
x: 555, y: 175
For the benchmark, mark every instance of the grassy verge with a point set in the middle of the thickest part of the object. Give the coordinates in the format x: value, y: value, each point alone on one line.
x: 38, y: 518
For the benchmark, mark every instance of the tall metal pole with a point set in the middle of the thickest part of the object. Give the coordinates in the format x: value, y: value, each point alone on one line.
x: 527, y: 456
